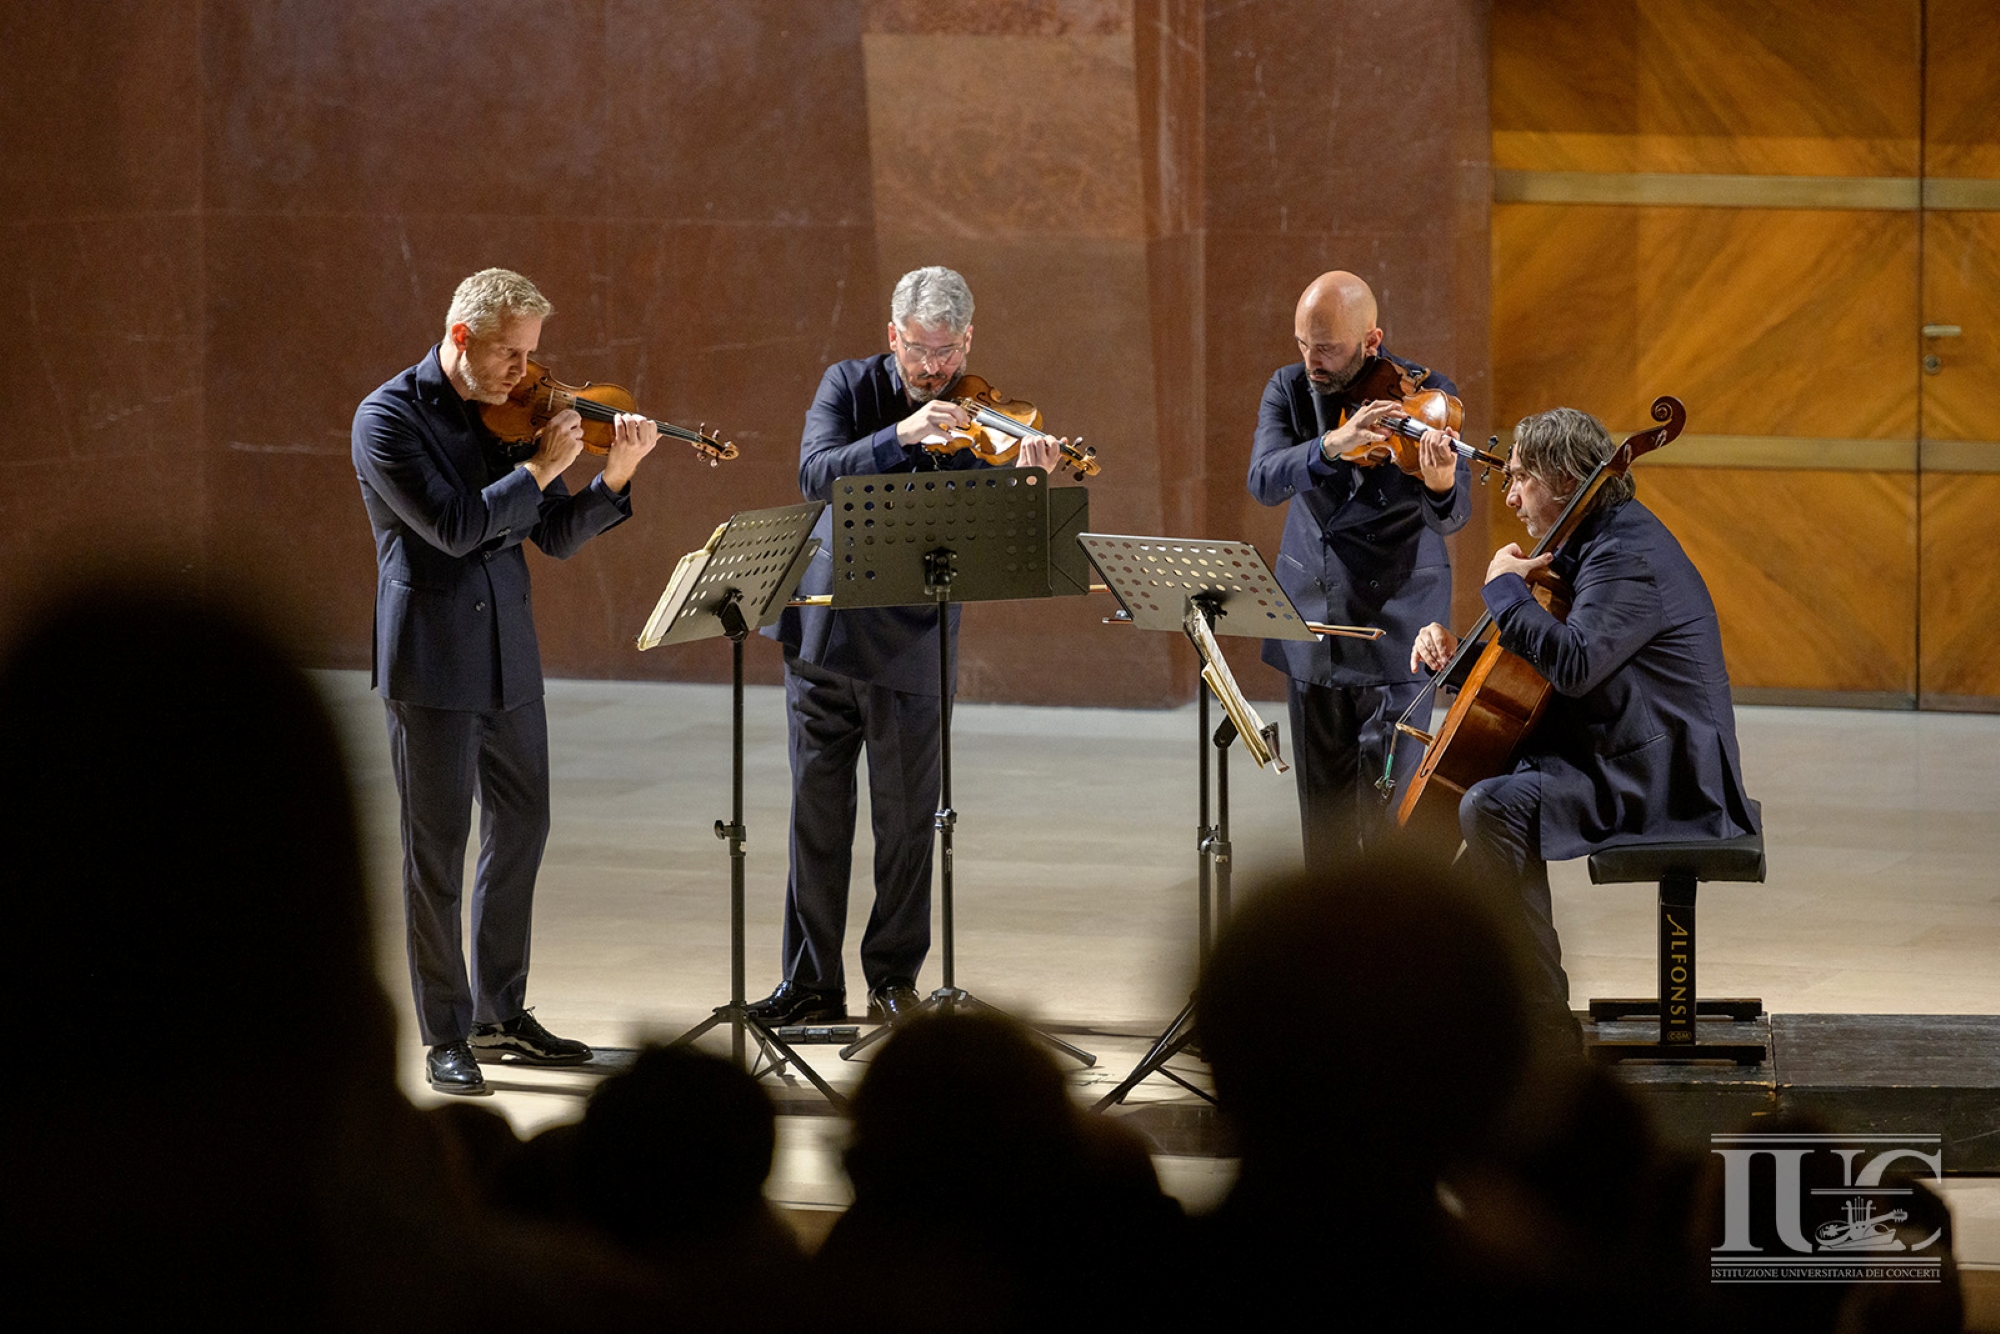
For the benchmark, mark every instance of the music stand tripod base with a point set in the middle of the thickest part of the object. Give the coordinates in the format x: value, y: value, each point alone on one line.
x: 745, y: 575
x: 1157, y: 581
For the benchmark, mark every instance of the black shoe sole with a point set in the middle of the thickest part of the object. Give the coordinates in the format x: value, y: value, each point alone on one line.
x: 458, y: 1090
x: 514, y: 1055
x: 799, y: 1018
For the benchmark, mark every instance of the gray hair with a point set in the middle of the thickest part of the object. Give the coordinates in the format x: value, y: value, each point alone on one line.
x: 491, y: 297
x: 1563, y: 448
x: 933, y: 296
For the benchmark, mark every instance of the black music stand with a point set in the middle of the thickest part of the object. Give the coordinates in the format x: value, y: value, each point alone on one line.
x: 910, y: 539
x: 1157, y: 580
x: 751, y: 566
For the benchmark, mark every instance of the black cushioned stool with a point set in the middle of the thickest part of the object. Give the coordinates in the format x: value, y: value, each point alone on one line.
x: 1678, y: 867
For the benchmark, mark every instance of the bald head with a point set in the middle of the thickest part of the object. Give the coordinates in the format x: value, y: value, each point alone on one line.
x: 1335, y: 329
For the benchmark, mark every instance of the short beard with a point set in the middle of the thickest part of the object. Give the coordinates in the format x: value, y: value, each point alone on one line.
x: 919, y: 397
x: 473, y: 389
x: 1339, y: 380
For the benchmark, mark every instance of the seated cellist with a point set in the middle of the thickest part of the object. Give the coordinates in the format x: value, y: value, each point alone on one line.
x: 1639, y: 738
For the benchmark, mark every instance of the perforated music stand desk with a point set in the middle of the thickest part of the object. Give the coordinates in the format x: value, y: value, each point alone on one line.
x: 935, y: 538
x: 1156, y: 580
x: 751, y: 569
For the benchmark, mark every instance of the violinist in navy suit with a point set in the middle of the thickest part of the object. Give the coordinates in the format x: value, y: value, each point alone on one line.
x: 867, y: 678
x: 457, y: 663
x: 1639, y: 737
x: 1363, y: 545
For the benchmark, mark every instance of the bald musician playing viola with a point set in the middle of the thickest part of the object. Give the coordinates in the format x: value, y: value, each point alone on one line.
x: 1363, y: 545
x: 1639, y: 739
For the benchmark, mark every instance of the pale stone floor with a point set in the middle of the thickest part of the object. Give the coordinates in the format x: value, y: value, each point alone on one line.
x: 1076, y: 872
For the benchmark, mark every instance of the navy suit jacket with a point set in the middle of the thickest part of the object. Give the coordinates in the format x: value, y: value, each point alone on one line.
x: 851, y: 431
x: 1362, y: 546
x: 454, y: 627
x: 1639, y: 740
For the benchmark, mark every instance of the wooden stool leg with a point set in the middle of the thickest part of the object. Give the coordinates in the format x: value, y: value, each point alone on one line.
x: 1676, y: 960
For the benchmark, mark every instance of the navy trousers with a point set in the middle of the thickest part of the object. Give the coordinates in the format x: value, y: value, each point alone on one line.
x: 1499, y: 818
x: 830, y: 720
x: 1340, y: 739
x: 444, y: 759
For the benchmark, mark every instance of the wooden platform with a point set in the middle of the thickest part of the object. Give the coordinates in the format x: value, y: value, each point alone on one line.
x: 1880, y: 1073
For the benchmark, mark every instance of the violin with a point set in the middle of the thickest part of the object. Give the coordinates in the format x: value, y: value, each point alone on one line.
x: 1423, y: 409
x: 540, y: 396
x: 1000, y: 424
x: 1503, y: 696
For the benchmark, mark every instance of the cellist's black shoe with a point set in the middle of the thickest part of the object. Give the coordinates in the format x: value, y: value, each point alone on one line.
x: 451, y: 1068
x: 794, y: 1004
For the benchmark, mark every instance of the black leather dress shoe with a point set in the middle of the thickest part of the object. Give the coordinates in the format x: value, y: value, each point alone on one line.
x: 524, y: 1039
x: 794, y: 1004
x: 450, y: 1068
x: 893, y: 1003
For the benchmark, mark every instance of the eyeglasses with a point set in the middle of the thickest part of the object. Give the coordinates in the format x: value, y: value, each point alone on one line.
x: 932, y: 356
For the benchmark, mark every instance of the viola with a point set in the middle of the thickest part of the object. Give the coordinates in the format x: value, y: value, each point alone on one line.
x: 1503, y: 697
x: 540, y: 396
x: 999, y: 425
x: 1423, y: 409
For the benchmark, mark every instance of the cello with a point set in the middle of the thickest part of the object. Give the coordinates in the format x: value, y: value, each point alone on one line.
x: 1502, y: 697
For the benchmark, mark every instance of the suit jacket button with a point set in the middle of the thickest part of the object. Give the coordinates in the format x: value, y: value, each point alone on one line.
x: 1374, y: 583
x: 479, y: 606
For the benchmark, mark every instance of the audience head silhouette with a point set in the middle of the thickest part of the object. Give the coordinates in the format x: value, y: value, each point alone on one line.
x: 680, y: 1143
x: 183, y: 840
x: 1375, y: 1011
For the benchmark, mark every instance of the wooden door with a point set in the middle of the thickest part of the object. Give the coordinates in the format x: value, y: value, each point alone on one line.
x: 1959, y: 358
x: 1723, y: 200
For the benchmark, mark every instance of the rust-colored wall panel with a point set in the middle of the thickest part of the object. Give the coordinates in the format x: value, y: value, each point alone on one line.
x: 597, y: 108
x: 1002, y: 18
x: 1031, y: 181
x: 98, y: 108
x: 1763, y: 321
x: 100, y: 288
x: 1039, y: 136
x: 1961, y: 586
x: 102, y: 447
x: 1777, y: 87
x: 234, y: 218
x: 1813, y: 573
x: 1318, y: 158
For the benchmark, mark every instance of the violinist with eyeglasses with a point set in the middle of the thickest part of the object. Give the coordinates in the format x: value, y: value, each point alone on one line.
x: 866, y: 679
